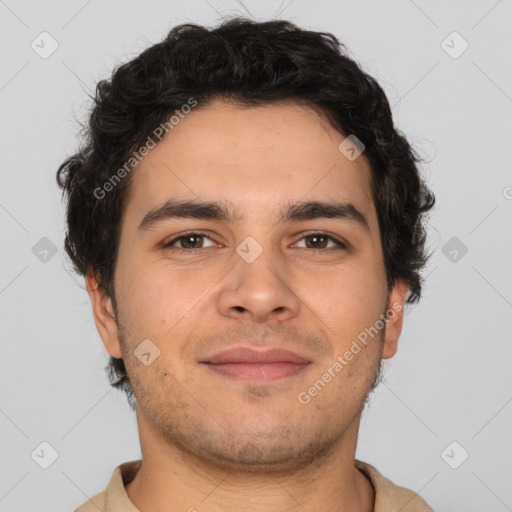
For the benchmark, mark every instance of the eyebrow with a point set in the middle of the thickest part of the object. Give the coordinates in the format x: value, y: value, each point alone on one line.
x: 212, y: 210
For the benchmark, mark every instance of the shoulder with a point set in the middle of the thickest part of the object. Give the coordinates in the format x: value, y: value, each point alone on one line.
x: 95, y: 504
x: 390, y: 497
x: 114, y: 496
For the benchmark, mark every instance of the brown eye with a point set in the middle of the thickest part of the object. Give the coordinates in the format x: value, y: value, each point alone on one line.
x: 188, y: 241
x: 320, y: 241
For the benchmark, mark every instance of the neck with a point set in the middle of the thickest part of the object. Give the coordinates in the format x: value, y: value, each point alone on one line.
x: 172, y: 479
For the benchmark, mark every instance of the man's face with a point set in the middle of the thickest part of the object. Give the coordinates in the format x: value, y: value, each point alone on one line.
x: 256, y: 282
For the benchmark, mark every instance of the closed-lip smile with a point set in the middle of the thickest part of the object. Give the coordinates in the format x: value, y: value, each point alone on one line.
x: 243, y: 363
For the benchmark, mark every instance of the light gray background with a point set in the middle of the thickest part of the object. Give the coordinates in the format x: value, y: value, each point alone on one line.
x: 451, y: 380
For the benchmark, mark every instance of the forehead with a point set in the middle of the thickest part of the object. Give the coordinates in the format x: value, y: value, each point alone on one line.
x: 254, y: 158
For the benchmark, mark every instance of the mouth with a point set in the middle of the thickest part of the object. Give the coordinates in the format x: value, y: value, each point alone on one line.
x: 257, y: 366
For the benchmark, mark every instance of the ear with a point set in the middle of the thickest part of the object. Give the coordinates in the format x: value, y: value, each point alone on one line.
x: 394, y: 316
x: 104, y: 318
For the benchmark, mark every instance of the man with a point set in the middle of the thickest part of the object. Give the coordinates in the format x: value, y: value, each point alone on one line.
x: 250, y: 226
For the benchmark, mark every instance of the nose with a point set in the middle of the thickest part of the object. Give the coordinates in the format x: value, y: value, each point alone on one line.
x: 258, y: 292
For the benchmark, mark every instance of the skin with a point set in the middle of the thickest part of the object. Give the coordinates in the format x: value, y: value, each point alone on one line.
x: 209, y: 442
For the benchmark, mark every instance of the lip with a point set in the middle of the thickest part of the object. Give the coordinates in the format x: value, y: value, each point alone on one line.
x: 257, y: 366
x: 248, y: 355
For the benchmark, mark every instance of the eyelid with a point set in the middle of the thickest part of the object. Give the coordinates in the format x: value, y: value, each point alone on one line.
x: 341, y: 243
x: 183, y: 235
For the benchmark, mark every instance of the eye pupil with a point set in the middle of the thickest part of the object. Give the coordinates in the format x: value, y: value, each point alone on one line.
x: 189, y: 240
x: 316, y: 243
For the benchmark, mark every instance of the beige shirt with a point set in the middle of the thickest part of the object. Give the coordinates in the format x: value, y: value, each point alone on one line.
x: 388, y: 496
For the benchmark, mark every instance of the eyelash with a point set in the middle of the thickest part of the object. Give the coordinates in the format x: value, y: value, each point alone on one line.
x: 168, y: 245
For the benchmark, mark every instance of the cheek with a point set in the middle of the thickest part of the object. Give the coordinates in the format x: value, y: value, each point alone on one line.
x: 346, y: 298
x: 155, y: 298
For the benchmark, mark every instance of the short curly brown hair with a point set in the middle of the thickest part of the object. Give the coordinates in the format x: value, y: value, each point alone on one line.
x: 252, y: 63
